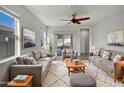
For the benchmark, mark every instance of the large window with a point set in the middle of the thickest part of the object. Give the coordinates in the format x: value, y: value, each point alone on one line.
x: 8, y: 36
x: 67, y: 40
x: 43, y: 38
x: 64, y: 41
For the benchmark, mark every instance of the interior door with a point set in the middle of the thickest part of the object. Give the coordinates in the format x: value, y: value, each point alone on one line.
x: 84, y: 41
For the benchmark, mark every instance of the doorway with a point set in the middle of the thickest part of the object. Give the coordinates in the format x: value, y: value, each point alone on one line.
x: 64, y: 42
x: 84, y: 43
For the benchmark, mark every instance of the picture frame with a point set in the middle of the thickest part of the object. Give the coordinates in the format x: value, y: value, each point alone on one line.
x: 28, y: 38
x: 115, y: 38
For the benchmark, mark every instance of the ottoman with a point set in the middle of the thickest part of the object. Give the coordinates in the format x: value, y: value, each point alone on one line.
x: 82, y: 80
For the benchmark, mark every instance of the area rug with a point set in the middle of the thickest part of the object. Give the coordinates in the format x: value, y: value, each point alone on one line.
x: 58, y: 77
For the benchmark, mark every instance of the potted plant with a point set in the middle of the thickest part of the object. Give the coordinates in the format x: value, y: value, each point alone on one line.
x: 50, y: 47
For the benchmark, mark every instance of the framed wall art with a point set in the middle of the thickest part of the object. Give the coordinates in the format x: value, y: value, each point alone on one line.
x: 28, y: 38
x: 115, y: 38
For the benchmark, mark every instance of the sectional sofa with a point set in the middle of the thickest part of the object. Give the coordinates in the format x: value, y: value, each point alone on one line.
x: 38, y: 70
x: 112, y: 68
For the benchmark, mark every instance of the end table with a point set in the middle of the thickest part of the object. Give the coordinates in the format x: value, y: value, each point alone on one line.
x: 27, y: 83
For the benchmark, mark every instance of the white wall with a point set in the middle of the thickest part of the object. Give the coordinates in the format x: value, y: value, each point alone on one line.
x: 28, y: 20
x: 74, y: 30
x: 100, y: 30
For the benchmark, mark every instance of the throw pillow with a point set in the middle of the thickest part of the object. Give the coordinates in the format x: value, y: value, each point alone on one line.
x: 96, y: 52
x: 20, y: 60
x: 106, y: 55
x: 44, y: 54
x: 69, y: 51
x: 36, y: 54
x: 117, y: 58
x: 101, y: 52
x: 33, y: 60
x: 28, y: 61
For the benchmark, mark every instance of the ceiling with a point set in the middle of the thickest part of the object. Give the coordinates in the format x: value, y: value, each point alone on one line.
x: 52, y: 14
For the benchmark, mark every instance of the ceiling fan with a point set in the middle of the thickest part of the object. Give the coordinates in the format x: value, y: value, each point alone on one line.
x: 75, y: 20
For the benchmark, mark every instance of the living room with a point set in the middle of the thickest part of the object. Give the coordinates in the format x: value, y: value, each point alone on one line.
x: 53, y: 34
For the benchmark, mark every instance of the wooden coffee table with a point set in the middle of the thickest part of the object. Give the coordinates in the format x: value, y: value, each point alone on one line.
x: 75, y: 68
x: 27, y: 83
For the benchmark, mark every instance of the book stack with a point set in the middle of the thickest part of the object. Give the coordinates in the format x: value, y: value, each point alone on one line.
x: 20, y: 78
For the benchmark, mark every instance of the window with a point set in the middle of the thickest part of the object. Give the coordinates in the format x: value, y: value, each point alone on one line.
x: 64, y: 41
x: 67, y: 40
x: 8, y: 36
x: 43, y: 38
x: 59, y: 40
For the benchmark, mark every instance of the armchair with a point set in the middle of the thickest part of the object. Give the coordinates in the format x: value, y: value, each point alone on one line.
x: 67, y: 53
x: 118, y: 71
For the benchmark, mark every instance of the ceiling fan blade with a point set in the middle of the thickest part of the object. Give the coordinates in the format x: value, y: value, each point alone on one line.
x: 81, y: 19
x: 69, y: 23
x: 77, y: 22
x: 65, y: 20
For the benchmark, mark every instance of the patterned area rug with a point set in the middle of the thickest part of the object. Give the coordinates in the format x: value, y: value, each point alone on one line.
x: 58, y: 77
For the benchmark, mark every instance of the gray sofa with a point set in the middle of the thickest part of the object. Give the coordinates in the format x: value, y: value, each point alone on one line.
x: 39, y: 70
x: 112, y: 68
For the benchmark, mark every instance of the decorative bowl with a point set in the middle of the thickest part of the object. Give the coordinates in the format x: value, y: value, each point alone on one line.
x: 76, y: 61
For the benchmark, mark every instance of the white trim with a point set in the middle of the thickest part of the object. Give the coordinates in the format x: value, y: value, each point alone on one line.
x: 18, y: 37
x: 7, y: 59
x: 17, y: 33
x: 10, y: 12
x: 12, y: 58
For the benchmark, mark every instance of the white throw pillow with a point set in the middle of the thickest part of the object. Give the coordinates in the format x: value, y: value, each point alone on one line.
x: 117, y: 58
x: 43, y: 53
x: 106, y: 55
x: 96, y: 52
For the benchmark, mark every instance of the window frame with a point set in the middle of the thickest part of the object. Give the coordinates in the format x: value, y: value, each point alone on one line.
x: 44, y: 39
x: 63, y: 44
x: 17, y: 33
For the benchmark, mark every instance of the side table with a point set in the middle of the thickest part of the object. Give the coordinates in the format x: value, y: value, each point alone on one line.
x: 27, y: 83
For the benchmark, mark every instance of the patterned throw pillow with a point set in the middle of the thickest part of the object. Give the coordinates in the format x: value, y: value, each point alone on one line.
x: 69, y: 51
x: 30, y: 61
x: 117, y: 58
x: 33, y: 60
x: 106, y: 55
x: 27, y: 61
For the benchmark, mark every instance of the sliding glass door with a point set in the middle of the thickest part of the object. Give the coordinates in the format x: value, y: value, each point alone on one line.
x: 64, y: 41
